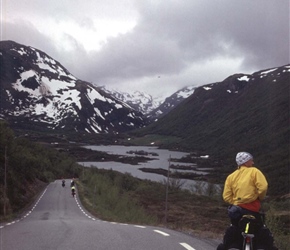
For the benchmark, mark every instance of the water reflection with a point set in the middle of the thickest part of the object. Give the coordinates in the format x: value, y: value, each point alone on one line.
x: 124, y: 168
x: 160, y: 161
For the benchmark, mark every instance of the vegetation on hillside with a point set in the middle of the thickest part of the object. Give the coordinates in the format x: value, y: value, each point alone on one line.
x: 118, y: 197
x: 26, y: 167
x: 255, y: 119
x: 113, y: 196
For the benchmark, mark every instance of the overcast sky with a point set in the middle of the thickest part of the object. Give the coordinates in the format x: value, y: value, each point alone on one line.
x: 156, y: 46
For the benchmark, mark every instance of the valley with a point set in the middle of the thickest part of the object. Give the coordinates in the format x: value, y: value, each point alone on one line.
x: 197, y: 169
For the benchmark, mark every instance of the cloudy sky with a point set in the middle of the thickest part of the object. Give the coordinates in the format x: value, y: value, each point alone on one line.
x: 156, y: 46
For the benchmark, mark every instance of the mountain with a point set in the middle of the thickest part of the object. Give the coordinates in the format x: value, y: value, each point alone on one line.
x: 138, y: 100
x: 171, y: 102
x: 233, y: 105
x: 38, y: 93
x: 153, y: 108
x: 245, y: 112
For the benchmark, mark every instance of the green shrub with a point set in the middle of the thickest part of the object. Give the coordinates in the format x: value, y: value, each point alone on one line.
x: 274, y: 222
x: 108, y: 196
x: 27, y: 162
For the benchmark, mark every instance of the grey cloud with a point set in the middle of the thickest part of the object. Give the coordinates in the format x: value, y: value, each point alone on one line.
x: 173, y: 34
x: 72, y: 9
x: 256, y: 28
x: 171, y: 38
x: 25, y: 33
x: 87, y: 23
x: 136, y: 55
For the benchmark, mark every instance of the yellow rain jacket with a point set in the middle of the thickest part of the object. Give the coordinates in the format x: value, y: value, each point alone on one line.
x: 245, y: 186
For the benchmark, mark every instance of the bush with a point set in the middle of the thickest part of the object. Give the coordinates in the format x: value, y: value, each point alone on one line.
x: 108, y: 196
x: 26, y: 162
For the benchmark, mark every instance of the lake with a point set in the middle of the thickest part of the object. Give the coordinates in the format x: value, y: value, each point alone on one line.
x: 159, y: 161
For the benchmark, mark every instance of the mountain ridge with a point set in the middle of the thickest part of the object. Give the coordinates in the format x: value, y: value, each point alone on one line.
x: 138, y: 100
x: 152, y: 107
x: 38, y: 91
x: 245, y: 112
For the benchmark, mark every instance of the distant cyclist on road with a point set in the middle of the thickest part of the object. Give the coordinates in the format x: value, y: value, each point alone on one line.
x: 72, y: 183
x: 73, y: 191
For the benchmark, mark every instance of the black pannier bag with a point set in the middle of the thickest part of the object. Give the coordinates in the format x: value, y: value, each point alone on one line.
x: 250, y: 224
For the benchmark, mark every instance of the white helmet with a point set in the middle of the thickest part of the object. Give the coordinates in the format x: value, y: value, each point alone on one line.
x: 243, y: 157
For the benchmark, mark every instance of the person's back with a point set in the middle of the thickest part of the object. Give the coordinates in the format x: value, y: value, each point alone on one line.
x: 244, y: 190
x: 246, y: 187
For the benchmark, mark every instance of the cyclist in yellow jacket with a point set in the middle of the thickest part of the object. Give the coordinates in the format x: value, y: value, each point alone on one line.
x: 244, y: 190
x: 247, y: 186
x: 73, y: 191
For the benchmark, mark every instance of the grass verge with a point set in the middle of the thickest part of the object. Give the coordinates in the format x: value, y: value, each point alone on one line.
x: 112, y: 196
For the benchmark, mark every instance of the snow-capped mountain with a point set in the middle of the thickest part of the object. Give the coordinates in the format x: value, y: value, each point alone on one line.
x: 139, y: 101
x: 38, y: 92
x: 153, y: 108
x: 171, y: 102
x: 243, y: 111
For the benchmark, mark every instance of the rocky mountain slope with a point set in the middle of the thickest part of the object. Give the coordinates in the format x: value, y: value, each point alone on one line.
x: 245, y: 112
x: 38, y: 93
x: 153, y: 108
x: 171, y: 102
x: 138, y: 100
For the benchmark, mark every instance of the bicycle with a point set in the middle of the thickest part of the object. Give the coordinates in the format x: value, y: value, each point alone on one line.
x: 73, y: 192
x: 249, y: 225
x: 248, y: 237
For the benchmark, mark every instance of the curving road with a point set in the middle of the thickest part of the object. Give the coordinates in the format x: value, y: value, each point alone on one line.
x: 58, y: 222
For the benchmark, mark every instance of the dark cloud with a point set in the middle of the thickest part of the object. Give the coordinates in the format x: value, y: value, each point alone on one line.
x: 181, y: 41
x: 24, y: 32
x: 209, y: 28
x: 172, y: 36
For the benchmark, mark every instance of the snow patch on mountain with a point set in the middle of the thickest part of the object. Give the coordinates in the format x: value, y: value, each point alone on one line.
x: 185, y: 92
x: 44, y: 92
x: 138, y: 100
x: 171, y: 102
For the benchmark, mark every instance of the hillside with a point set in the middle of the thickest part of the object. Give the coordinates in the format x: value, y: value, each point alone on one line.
x: 171, y: 102
x: 26, y: 168
x: 40, y: 94
x: 241, y: 113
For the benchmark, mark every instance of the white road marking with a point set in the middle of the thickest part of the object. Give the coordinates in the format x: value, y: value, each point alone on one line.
x: 160, y: 232
x: 188, y: 247
x: 139, y: 226
x: 12, y: 222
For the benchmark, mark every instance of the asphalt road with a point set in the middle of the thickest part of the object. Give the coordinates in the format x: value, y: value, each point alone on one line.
x: 57, y: 221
